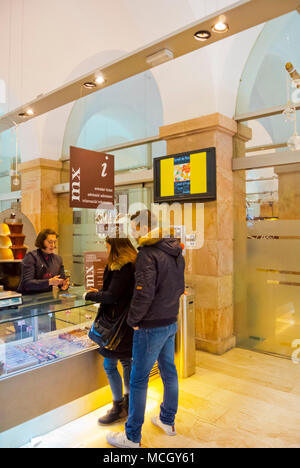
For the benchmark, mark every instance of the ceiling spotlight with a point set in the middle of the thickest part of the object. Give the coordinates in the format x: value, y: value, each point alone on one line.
x: 220, y: 27
x: 89, y: 84
x: 202, y: 35
x: 99, y: 80
x: 27, y: 113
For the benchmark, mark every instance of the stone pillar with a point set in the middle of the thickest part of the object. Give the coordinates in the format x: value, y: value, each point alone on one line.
x: 210, y: 269
x: 39, y: 203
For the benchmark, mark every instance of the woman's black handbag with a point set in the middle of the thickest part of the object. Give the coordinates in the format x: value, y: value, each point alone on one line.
x: 108, y: 329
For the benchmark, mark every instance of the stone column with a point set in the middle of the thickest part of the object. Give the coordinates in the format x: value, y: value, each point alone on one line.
x: 210, y: 269
x: 39, y: 203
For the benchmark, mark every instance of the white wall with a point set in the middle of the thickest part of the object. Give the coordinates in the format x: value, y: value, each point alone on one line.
x: 50, y: 43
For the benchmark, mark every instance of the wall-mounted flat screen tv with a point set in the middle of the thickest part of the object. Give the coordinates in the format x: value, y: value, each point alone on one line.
x: 189, y: 176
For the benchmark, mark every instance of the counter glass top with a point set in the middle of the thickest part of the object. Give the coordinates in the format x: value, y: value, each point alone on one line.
x: 35, y: 305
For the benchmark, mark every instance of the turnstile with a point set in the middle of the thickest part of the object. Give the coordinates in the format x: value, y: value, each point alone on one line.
x: 185, y: 346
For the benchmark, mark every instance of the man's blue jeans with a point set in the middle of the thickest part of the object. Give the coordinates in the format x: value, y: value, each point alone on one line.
x: 151, y: 345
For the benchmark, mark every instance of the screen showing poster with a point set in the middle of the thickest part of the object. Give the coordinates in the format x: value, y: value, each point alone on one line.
x: 91, y: 178
x: 94, y: 266
x: 182, y: 175
x: 189, y: 176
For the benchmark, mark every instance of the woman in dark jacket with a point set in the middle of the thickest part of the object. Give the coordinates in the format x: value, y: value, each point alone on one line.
x: 42, y: 268
x: 115, y: 298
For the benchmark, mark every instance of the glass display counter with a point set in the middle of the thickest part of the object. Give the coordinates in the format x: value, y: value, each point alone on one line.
x: 50, y: 371
x: 46, y: 328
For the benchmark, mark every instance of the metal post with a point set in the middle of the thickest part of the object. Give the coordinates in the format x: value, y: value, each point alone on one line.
x: 185, y: 347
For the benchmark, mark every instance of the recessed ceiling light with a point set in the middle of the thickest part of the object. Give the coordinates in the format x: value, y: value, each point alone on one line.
x: 99, y: 79
x: 220, y: 27
x: 29, y: 112
x: 202, y: 35
x: 89, y: 84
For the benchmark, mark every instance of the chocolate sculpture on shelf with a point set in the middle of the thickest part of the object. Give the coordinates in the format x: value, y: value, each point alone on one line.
x: 17, y: 238
x: 5, y: 243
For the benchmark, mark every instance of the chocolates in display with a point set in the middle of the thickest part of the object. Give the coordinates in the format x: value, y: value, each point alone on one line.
x: 45, y: 350
x: 16, y: 360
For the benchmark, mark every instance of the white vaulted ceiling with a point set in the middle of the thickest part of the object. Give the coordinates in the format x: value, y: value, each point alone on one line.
x: 240, y: 16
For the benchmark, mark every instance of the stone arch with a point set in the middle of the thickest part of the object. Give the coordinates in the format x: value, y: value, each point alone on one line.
x: 139, y: 95
x: 129, y: 110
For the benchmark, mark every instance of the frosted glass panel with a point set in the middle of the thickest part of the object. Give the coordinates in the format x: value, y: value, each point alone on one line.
x: 81, y: 236
x: 272, y: 130
x: 263, y: 83
x: 267, y: 262
x: 7, y: 159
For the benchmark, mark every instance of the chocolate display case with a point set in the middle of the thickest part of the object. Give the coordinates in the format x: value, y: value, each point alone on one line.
x: 43, y: 330
x: 27, y: 353
x: 47, y: 364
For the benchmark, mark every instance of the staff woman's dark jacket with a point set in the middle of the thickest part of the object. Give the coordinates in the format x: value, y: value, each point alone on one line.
x: 116, y: 295
x: 37, y: 269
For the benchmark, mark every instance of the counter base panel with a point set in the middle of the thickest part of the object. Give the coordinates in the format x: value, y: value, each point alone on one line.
x: 30, y: 394
x: 23, y: 434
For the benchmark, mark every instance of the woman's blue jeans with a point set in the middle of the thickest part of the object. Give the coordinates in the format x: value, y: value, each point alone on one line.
x: 150, y: 345
x: 114, y: 377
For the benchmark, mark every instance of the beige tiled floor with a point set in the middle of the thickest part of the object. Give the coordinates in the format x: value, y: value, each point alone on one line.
x: 241, y: 399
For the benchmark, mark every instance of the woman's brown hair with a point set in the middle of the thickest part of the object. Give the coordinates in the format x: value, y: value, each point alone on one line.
x: 121, y: 252
x: 42, y: 236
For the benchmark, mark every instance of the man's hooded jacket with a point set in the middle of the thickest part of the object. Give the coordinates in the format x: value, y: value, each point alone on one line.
x: 159, y: 282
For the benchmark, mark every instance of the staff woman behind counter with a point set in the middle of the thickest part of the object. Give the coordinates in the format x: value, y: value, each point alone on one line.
x: 42, y: 268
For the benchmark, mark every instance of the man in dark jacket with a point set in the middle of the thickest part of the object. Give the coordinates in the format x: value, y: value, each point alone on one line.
x: 159, y: 283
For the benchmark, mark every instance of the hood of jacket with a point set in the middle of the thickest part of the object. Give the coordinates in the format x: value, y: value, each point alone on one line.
x: 158, y: 238
x: 122, y: 261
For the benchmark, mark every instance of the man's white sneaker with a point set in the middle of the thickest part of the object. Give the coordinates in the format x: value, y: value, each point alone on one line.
x: 119, y: 440
x: 169, y: 430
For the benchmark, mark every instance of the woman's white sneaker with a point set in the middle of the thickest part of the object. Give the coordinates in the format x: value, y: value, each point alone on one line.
x: 169, y: 430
